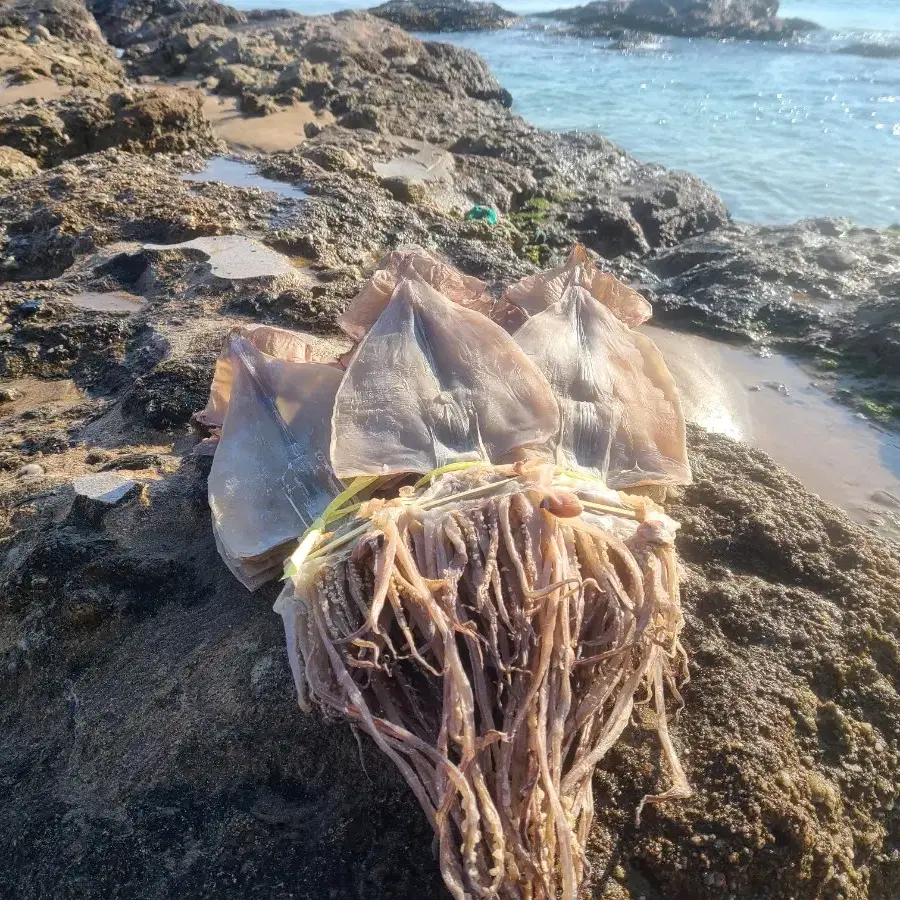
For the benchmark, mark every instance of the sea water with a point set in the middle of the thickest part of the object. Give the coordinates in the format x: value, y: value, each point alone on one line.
x: 782, y: 131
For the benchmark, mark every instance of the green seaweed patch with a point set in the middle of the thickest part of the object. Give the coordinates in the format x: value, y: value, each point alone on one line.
x: 528, y: 222
x: 879, y: 410
x: 535, y: 253
x: 532, y: 211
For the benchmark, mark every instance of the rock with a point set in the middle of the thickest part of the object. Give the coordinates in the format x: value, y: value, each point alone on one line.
x: 97, y: 494
x: 106, y: 197
x: 32, y: 470
x: 418, y: 161
x: 658, y: 211
x: 8, y: 395
x: 444, y: 15
x: 168, y: 396
x: 872, y: 342
x: 257, y: 105
x: 802, y: 281
x: 54, y: 65
x: 67, y: 19
x: 674, y: 206
x: 29, y: 308
x: 96, y: 456
x: 134, y: 462
x: 15, y: 165
x: 607, y: 225
x: 870, y: 50
x: 743, y: 19
x: 304, y: 77
x: 39, y: 33
x: 792, y: 701
x: 129, y: 22
x: 836, y: 259
x: 153, y: 121
x: 406, y: 190
x: 460, y: 69
x: 330, y: 157
x: 239, y: 79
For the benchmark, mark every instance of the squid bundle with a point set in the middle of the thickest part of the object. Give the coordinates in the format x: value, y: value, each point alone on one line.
x: 475, y: 574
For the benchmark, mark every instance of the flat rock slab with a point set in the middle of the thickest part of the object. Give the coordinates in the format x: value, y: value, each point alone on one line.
x: 427, y: 163
x: 97, y: 494
x: 235, y: 257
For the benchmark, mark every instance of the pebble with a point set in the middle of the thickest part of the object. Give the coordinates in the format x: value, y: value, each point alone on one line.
x: 406, y: 190
x: 96, y: 495
x: 97, y: 456
x: 836, y: 259
x: 32, y: 470
x: 29, y: 307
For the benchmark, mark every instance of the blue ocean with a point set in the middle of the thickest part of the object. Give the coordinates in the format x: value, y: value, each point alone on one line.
x: 782, y: 130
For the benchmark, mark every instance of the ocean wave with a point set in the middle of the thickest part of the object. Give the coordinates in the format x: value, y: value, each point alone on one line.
x: 867, y: 44
x: 870, y: 49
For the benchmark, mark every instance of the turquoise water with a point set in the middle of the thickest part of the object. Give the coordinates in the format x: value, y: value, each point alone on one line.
x: 782, y: 131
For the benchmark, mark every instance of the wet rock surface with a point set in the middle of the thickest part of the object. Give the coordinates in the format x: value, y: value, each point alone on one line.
x: 742, y: 19
x: 152, y: 745
x: 824, y: 289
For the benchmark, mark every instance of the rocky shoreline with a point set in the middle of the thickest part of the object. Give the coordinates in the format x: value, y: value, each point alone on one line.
x: 754, y: 20
x: 151, y: 744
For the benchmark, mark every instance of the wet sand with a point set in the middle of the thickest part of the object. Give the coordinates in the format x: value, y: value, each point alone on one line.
x: 39, y: 89
x: 110, y: 301
x: 282, y: 130
x: 772, y: 403
x: 38, y: 393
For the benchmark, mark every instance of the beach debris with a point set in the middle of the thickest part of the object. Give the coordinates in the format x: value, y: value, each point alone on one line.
x: 464, y: 584
x: 482, y: 214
